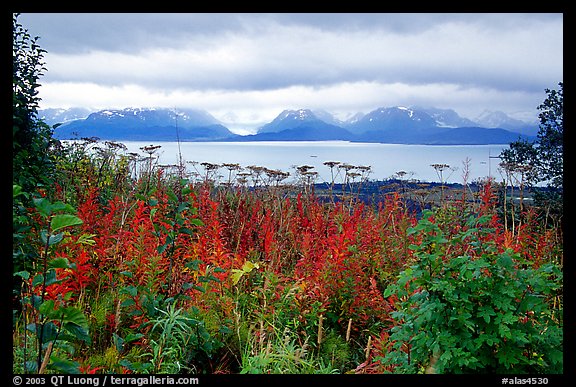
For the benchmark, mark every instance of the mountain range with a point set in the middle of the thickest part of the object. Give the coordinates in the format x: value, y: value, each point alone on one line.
x: 398, y: 124
x: 143, y: 124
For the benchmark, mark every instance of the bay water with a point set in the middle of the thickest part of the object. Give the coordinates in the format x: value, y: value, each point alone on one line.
x: 384, y: 160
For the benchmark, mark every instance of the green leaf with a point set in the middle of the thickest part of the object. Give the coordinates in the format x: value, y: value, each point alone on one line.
x: 35, y: 300
x: 118, y: 342
x: 47, y: 307
x: 199, y: 288
x: 485, y: 312
x: 249, y: 266
x: 520, y: 337
x: 43, y: 206
x: 59, y: 206
x: 51, y: 239
x: 64, y: 220
x: 59, y: 263
x: 172, y: 196
x: 508, y: 318
x: 504, y: 331
x: 51, y: 277
x: 55, y: 238
x: 469, y: 232
x: 236, y: 275
x: 63, y: 366
x: 507, y: 358
x: 183, y: 206
x: 390, y: 290
x: 194, y: 264
x: 211, y: 278
x: 133, y: 336
x: 130, y: 290
x: 196, y: 222
x: 187, y: 231
x: 79, y: 332
x: 404, y: 277
x: 17, y: 191
x: 23, y: 274
x: 38, y: 279
x: 31, y: 366
x: 49, y: 330
x: 505, y: 260
x: 86, y: 239
x: 74, y: 315
x: 187, y: 285
x: 127, y: 302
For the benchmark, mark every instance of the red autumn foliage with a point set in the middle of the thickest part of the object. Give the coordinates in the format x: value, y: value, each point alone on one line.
x: 335, y: 255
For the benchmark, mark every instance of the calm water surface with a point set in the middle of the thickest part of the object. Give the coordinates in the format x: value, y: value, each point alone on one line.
x: 385, y: 160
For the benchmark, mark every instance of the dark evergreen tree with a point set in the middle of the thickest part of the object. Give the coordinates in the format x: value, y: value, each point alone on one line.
x: 542, y: 160
x: 550, y: 143
x: 31, y: 137
x: 32, y: 141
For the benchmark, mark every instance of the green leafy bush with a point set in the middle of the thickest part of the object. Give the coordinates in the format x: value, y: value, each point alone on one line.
x: 470, y: 305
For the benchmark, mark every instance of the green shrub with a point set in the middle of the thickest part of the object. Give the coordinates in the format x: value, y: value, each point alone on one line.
x: 469, y: 305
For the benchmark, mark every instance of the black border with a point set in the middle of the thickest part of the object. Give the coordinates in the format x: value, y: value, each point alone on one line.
x: 431, y: 7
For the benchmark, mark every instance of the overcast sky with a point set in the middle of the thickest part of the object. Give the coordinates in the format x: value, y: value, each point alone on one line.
x: 246, y: 68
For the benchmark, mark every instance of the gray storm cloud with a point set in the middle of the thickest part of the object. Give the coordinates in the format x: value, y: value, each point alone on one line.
x: 167, y: 55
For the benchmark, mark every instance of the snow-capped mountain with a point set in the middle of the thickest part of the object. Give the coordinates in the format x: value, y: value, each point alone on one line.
x: 145, y: 123
x: 328, y: 117
x: 498, y: 119
x: 301, y: 124
x: 413, y: 125
x: 446, y: 117
x: 290, y: 119
x: 397, y: 124
x: 155, y: 117
x: 352, y: 119
x: 53, y: 116
x: 397, y: 118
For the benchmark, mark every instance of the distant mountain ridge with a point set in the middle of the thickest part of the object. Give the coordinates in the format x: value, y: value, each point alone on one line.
x: 449, y: 118
x: 496, y: 119
x: 54, y: 116
x: 133, y: 124
x: 398, y: 124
